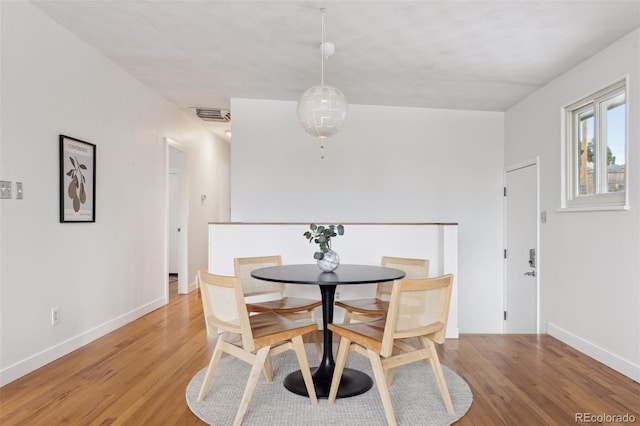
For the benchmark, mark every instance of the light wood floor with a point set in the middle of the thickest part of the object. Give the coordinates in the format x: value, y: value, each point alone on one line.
x: 137, y: 375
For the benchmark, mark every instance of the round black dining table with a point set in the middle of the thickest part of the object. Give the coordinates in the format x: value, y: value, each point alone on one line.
x: 353, y: 382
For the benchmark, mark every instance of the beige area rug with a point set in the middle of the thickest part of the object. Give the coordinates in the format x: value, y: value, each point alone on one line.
x: 414, y: 394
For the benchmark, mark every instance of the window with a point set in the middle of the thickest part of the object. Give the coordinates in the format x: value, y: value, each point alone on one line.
x: 595, y: 173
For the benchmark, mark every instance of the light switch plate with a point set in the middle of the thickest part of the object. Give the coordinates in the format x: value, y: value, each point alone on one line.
x: 5, y: 189
x: 18, y: 190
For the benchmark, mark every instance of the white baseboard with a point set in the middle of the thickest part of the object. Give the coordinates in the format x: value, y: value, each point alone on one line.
x: 596, y: 352
x: 452, y: 332
x: 21, y: 368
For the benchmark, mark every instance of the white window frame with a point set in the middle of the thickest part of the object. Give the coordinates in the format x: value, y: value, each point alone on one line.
x: 601, y: 200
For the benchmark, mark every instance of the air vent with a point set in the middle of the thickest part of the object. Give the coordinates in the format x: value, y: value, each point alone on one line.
x: 212, y: 114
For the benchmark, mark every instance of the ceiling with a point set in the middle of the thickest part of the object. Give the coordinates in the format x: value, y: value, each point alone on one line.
x: 478, y: 55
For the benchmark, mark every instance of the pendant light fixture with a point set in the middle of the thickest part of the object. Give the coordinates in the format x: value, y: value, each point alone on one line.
x: 322, y: 109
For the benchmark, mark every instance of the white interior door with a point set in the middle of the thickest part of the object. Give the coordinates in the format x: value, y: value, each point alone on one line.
x: 521, y: 283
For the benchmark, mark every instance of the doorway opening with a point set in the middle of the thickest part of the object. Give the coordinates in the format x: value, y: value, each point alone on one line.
x: 173, y: 283
x: 176, y: 219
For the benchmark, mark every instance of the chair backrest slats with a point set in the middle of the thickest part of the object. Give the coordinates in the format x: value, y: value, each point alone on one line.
x: 417, y: 307
x: 413, y: 269
x: 251, y: 286
x: 224, y: 306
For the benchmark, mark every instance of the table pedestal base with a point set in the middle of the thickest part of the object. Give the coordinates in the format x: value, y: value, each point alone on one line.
x: 353, y: 383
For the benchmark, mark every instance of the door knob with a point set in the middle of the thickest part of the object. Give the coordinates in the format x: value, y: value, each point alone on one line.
x: 531, y: 274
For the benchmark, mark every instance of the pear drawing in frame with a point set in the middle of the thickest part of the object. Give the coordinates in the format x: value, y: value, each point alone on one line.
x: 76, y: 190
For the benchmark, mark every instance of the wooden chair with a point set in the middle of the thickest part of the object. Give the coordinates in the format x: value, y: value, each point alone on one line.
x: 293, y: 308
x: 368, y: 309
x: 263, y: 335
x: 418, y: 310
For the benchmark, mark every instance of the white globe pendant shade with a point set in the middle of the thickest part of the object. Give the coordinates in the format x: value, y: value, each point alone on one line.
x: 322, y: 110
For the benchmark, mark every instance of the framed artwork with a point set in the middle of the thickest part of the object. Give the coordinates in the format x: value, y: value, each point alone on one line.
x: 77, y: 180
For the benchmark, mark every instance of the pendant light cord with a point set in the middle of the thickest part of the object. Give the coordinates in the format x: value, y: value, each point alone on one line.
x: 322, y: 46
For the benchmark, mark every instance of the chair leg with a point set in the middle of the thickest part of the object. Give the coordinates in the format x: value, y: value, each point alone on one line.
x: 341, y: 359
x: 437, y: 371
x: 258, y: 365
x: 347, y: 317
x: 213, y: 363
x: 391, y: 371
x: 317, y: 340
x: 298, y: 346
x: 381, y: 383
x: 268, y: 370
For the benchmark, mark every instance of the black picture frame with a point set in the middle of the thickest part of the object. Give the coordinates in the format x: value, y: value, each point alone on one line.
x: 77, y: 181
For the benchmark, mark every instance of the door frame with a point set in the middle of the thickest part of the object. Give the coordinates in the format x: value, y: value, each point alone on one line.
x: 535, y: 161
x: 183, y: 241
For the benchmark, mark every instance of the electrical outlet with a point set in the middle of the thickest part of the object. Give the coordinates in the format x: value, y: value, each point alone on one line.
x: 337, y: 295
x: 55, y: 316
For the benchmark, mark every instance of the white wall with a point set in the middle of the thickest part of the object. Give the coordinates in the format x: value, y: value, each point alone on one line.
x: 104, y: 274
x: 208, y: 174
x: 589, y: 261
x: 388, y: 164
